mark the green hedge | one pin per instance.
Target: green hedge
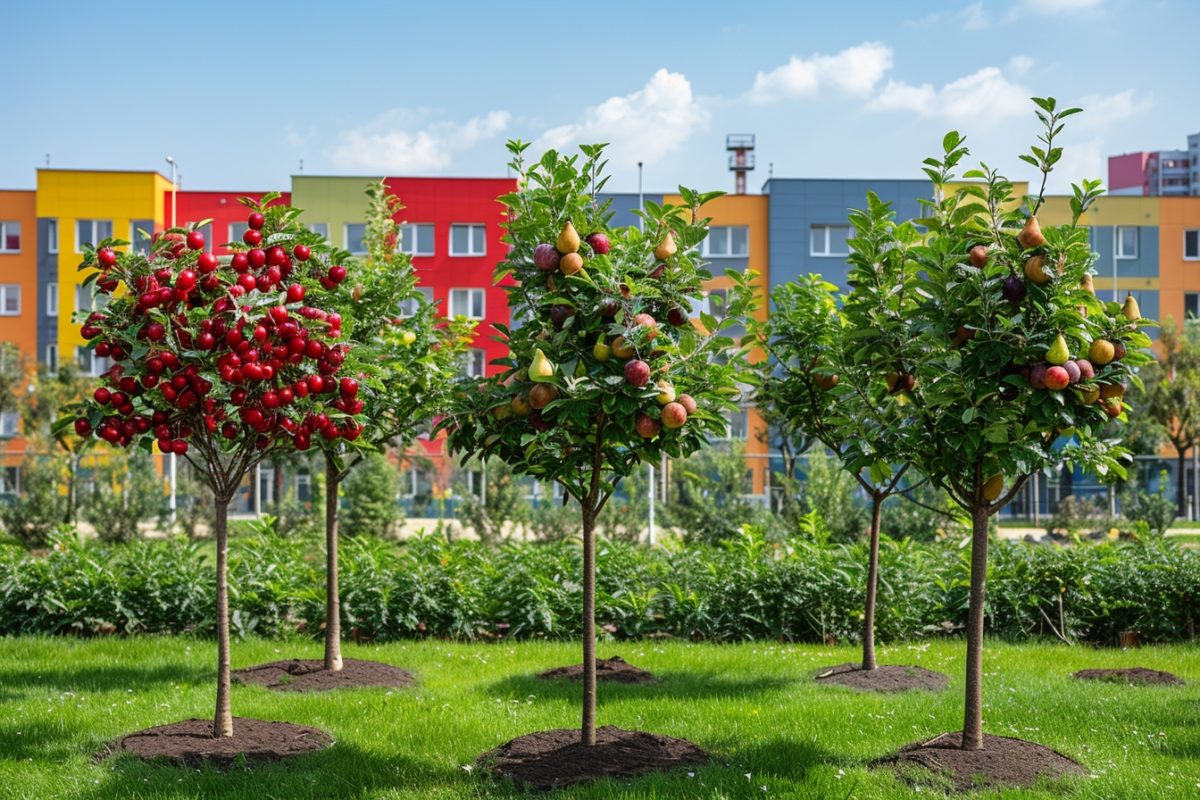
(747, 589)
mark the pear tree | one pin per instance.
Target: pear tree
(1022, 364)
(606, 369)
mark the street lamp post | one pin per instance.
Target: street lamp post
(172, 504)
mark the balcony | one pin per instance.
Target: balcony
(739, 141)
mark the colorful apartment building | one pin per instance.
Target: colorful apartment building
(228, 215)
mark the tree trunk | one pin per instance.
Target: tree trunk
(333, 610)
(223, 720)
(277, 484)
(588, 734)
(972, 735)
(1181, 483)
(868, 656)
(72, 470)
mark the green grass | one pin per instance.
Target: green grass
(773, 732)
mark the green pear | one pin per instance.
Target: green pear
(1131, 310)
(600, 351)
(541, 369)
(1058, 354)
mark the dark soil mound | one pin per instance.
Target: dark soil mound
(190, 743)
(311, 675)
(615, 669)
(1131, 675)
(552, 759)
(888, 678)
(1001, 762)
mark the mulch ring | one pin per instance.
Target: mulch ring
(310, 675)
(615, 669)
(553, 759)
(190, 743)
(887, 678)
(1001, 762)
(1140, 676)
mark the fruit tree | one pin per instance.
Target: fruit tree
(606, 368)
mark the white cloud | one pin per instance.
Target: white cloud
(1080, 160)
(983, 96)
(973, 17)
(1018, 66)
(642, 126)
(409, 141)
(1051, 7)
(855, 71)
(1102, 110)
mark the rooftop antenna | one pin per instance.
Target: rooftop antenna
(741, 158)
(302, 166)
(47, 159)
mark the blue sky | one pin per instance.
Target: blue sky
(240, 93)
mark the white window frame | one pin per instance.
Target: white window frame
(409, 307)
(236, 229)
(320, 227)
(10, 424)
(52, 236)
(51, 359)
(1117, 254)
(470, 239)
(91, 239)
(4, 223)
(51, 299)
(404, 230)
(725, 231)
(5, 290)
(346, 237)
(827, 253)
(1195, 232)
(475, 363)
(90, 363)
(471, 291)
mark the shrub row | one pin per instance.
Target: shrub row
(744, 589)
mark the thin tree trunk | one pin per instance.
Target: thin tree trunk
(868, 656)
(588, 735)
(1181, 483)
(73, 460)
(333, 611)
(972, 735)
(223, 720)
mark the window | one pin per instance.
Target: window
(141, 230)
(52, 358)
(356, 237)
(1191, 245)
(90, 363)
(10, 300)
(91, 231)
(10, 423)
(830, 240)
(1191, 305)
(236, 231)
(727, 242)
(51, 236)
(710, 302)
(467, 240)
(475, 483)
(1125, 242)
(88, 299)
(408, 308)
(739, 424)
(10, 236)
(466, 303)
(303, 486)
(51, 299)
(475, 363)
(416, 239)
(321, 228)
(10, 480)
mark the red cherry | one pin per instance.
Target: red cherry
(348, 387)
(187, 279)
(276, 256)
(179, 447)
(195, 240)
(258, 258)
(102, 396)
(207, 341)
(82, 427)
(247, 282)
(301, 252)
(107, 257)
(279, 314)
(330, 432)
(240, 262)
(255, 220)
(337, 273)
(252, 237)
(207, 263)
(295, 293)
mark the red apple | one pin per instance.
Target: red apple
(688, 403)
(195, 240)
(598, 242)
(647, 427)
(648, 322)
(545, 257)
(637, 372)
(1057, 378)
(673, 415)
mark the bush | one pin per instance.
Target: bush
(832, 492)
(1155, 509)
(707, 501)
(42, 505)
(1075, 516)
(370, 497)
(924, 513)
(126, 490)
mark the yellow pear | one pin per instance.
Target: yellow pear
(1058, 353)
(601, 352)
(1089, 285)
(1101, 352)
(541, 369)
(993, 487)
(408, 337)
(520, 406)
(1031, 234)
(666, 247)
(1130, 309)
(1035, 269)
(568, 239)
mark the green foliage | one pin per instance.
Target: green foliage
(830, 491)
(923, 512)
(370, 498)
(194, 502)
(42, 504)
(706, 501)
(504, 502)
(744, 589)
(1154, 509)
(127, 489)
(1075, 516)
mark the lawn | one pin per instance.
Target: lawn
(773, 732)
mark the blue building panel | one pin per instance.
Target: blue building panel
(1142, 263)
(624, 207)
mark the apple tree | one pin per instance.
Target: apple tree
(606, 369)
(1022, 364)
(220, 362)
(403, 362)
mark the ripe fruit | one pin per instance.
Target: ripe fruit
(337, 273)
(302, 252)
(1086, 370)
(1101, 352)
(541, 369)
(348, 387)
(195, 240)
(673, 415)
(622, 348)
(107, 257)
(1118, 351)
(1037, 376)
(520, 406)
(295, 293)
(1088, 284)
(1112, 390)
(609, 307)
(826, 382)
(900, 381)
(82, 427)
(666, 393)
(992, 488)
(1058, 352)
(1089, 394)
(207, 263)
(647, 427)
(1031, 234)
(1111, 406)
(255, 220)
(1035, 270)
(407, 338)
(677, 316)
(570, 263)
(252, 237)
(1013, 289)
(666, 248)
(637, 373)
(545, 257)
(648, 322)
(1056, 378)
(1072, 370)
(559, 314)
(978, 256)
(688, 403)
(598, 242)
(568, 239)
(601, 352)
(1130, 309)
(541, 395)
